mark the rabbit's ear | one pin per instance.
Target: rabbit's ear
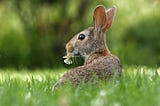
(110, 13)
(99, 18)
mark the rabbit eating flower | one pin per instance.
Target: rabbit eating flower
(91, 44)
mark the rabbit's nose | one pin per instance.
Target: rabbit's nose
(69, 47)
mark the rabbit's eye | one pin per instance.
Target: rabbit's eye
(81, 36)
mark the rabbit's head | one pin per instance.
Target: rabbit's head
(91, 40)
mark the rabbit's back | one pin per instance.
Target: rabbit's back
(109, 63)
(101, 68)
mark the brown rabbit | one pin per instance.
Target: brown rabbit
(91, 44)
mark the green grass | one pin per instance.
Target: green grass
(139, 86)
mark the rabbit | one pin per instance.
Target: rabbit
(91, 44)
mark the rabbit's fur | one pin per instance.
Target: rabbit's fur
(92, 46)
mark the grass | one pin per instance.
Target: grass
(137, 87)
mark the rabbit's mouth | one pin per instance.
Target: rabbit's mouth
(75, 53)
(69, 56)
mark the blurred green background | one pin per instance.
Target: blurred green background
(33, 33)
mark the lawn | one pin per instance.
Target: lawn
(139, 86)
